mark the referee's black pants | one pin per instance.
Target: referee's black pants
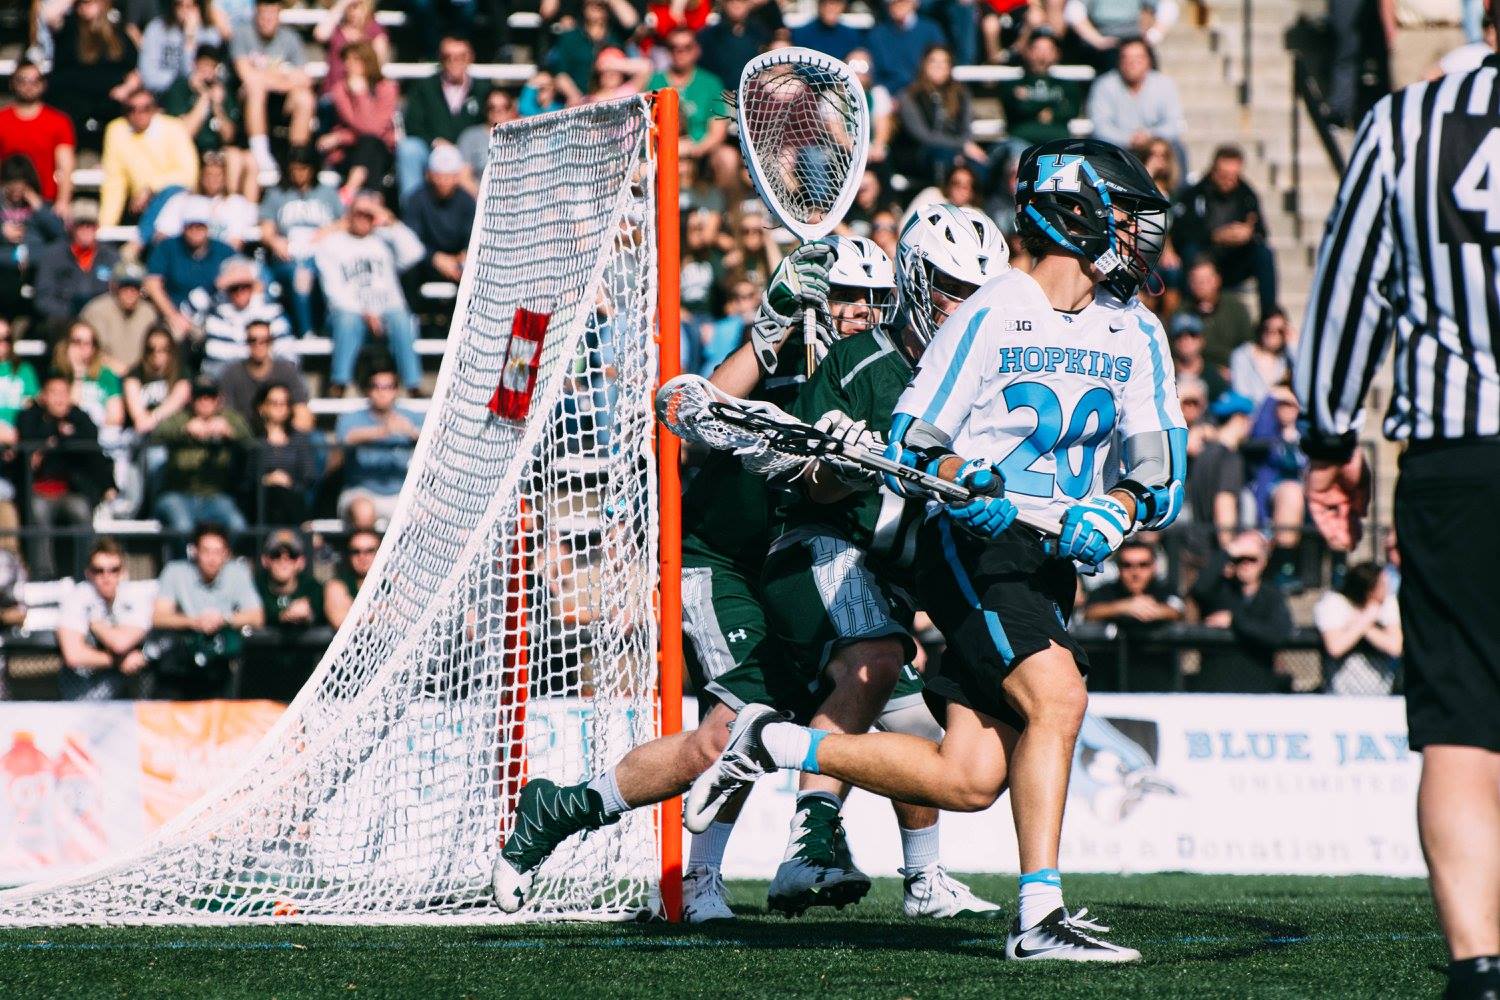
(1448, 531)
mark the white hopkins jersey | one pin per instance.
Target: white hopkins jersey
(1043, 394)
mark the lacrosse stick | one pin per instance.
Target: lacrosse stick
(693, 409)
(804, 132)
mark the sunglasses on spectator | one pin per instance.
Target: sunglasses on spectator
(1190, 401)
(239, 286)
(885, 227)
(383, 385)
(1243, 560)
(283, 552)
(257, 340)
(1137, 564)
(98, 570)
(81, 341)
(363, 551)
(682, 47)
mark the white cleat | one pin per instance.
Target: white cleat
(744, 759)
(933, 893)
(511, 887)
(704, 896)
(1060, 937)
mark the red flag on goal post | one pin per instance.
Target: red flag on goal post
(523, 353)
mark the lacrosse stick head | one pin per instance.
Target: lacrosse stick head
(804, 131)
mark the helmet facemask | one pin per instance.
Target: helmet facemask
(853, 310)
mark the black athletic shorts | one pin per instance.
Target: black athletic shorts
(996, 602)
(1448, 529)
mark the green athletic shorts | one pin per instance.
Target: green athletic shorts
(820, 596)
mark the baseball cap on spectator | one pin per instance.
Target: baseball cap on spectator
(203, 386)
(303, 156)
(85, 213)
(128, 272)
(1231, 404)
(445, 159)
(609, 58)
(284, 539)
(1186, 323)
(196, 210)
(1043, 31)
(235, 270)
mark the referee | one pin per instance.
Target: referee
(1412, 254)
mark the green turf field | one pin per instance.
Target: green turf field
(1201, 936)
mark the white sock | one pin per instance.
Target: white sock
(1041, 893)
(919, 848)
(707, 849)
(260, 145)
(609, 790)
(791, 745)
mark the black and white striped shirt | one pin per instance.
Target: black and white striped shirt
(1412, 253)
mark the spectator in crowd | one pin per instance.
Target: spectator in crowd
(95, 386)
(1417, 35)
(146, 154)
(1104, 26)
(736, 39)
(156, 387)
(667, 16)
(102, 625)
(960, 186)
(205, 457)
(68, 473)
(752, 254)
(441, 213)
(827, 33)
(293, 602)
(363, 142)
(122, 316)
(240, 302)
(572, 55)
(231, 216)
(1255, 367)
(1187, 354)
(18, 385)
(101, 628)
(540, 95)
(1136, 602)
(340, 591)
(1222, 320)
(208, 109)
(242, 381)
(170, 44)
(937, 122)
(1220, 217)
(1230, 595)
(704, 116)
(293, 217)
(1038, 107)
(285, 465)
(882, 109)
(1278, 468)
(1360, 625)
(1159, 157)
(93, 64)
(721, 337)
(350, 22)
(27, 226)
(206, 600)
(438, 108)
(885, 231)
(896, 44)
(268, 60)
(474, 141)
(617, 75)
(181, 270)
(1216, 469)
(41, 133)
(869, 198)
(376, 448)
(1134, 102)
(72, 271)
(359, 267)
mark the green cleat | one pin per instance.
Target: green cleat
(818, 869)
(545, 816)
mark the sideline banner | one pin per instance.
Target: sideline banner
(1245, 784)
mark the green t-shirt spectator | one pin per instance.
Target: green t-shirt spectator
(307, 587)
(1038, 108)
(180, 98)
(701, 101)
(93, 394)
(18, 383)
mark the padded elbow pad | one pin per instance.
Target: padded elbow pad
(1155, 467)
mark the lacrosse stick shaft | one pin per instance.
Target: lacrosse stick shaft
(809, 332)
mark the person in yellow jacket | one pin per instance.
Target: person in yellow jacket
(144, 152)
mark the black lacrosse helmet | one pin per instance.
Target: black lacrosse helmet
(1068, 190)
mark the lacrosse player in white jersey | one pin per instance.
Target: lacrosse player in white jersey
(1051, 393)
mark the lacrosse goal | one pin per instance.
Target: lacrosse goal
(521, 617)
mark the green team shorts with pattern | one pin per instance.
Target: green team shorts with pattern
(821, 596)
(731, 652)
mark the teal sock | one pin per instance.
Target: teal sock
(1041, 893)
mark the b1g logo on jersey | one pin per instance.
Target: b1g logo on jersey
(1073, 361)
(1059, 172)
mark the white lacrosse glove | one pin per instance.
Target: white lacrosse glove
(1092, 530)
(851, 434)
(800, 282)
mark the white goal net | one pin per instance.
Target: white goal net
(509, 628)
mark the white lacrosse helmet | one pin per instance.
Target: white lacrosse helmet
(861, 287)
(948, 249)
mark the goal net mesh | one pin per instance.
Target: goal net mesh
(508, 629)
